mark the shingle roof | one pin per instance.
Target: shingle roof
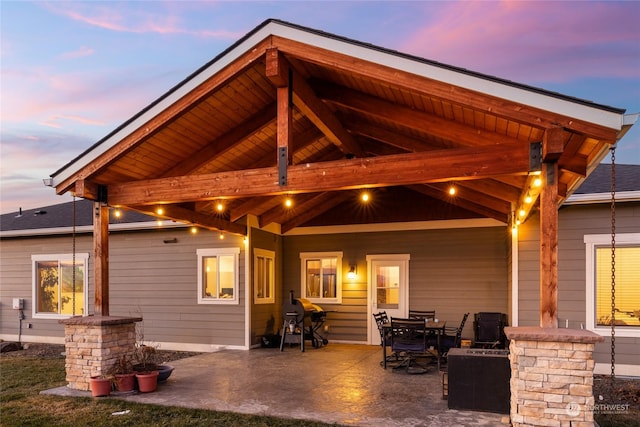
(61, 216)
(627, 179)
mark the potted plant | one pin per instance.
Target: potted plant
(124, 376)
(100, 385)
(146, 369)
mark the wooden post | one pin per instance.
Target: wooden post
(101, 258)
(549, 246)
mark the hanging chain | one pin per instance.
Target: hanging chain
(613, 263)
(73, 262)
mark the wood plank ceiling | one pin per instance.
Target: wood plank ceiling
(348, 125)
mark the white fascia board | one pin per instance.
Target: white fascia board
(586, 199)
(88, 229)
(476, 83)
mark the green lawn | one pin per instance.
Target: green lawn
(22, 379)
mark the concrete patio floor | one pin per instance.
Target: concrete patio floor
(337, 383)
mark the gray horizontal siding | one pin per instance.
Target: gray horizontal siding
(574, 223)
(147, 278)
(452, 271)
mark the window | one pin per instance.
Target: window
(264, 276)
(627, 298)
(55, 294)
(218, 276)
(321, 278)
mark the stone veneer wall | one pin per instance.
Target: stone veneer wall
(551, 376)
(94, 344)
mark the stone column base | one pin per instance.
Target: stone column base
(551, 376)
(93, 345)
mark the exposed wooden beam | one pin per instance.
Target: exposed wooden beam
(549, 247)
(553, 142)
(130, 141)
(306, 101)
(448, 130)
(101, 258)
(493, 188)
(433, 166)
(255, 206)
(181, 214)
(438, 193)
(316, 206)
(468, 194)
(500, 107)
(224, 143)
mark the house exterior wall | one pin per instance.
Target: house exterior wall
(147, 278)
(574, 222)
(266, 318)
(451, 270)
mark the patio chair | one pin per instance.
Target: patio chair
(452, 337)
(382, 320)
(408, 339)
(488, 330)
(422, 314)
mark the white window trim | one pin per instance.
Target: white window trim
(257, 252)
(84, 257)
(303, 277)
(235, 252)
(591, 241)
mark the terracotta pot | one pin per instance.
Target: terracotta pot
(125, 382)
(147, 381)
(100, 386)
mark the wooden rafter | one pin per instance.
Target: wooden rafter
(434, 166)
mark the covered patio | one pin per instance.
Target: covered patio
(290, 116)
(338, 383)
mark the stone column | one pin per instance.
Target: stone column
(93, 345)
(551, 376)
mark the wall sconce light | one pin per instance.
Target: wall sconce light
(352, 272)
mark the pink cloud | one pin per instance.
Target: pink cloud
(527, 41)
(130, 20)
(82, 52)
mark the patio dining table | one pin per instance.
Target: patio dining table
(430, 326)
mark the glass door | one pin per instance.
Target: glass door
(388, 288)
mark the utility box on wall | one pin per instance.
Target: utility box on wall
(18, 303)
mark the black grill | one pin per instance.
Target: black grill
(303, 320)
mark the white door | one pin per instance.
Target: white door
(388, 277)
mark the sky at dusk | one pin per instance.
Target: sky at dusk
(71, 72)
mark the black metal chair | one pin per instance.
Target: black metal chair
(488, 330)
(408, 339)
(422, 314)
(452, 337)
(382, 321)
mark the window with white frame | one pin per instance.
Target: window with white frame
(627, 288)
(264, 276)
(321, 278)
(218, 276)
(59, 285)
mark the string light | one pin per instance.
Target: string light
(117, 213)
(221, 236)
(288, 202)
(219, 207)
(194, 229)
(452, 190)
(365, 197)
(160, 211)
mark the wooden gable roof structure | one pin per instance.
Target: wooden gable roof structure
(291, 111)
